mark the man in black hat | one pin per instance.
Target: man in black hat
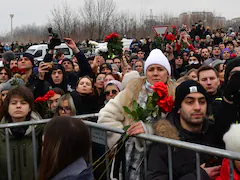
(188, 117)
(26, 63)
(105, 68)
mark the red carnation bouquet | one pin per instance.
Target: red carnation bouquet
(114, 44)
(158, 102)
(46, 97)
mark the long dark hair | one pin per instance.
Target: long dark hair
(20, 91)
(66, 139)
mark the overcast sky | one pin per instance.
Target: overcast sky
(38, 11)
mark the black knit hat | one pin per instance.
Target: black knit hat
(185, 88)
(29, 56)
(230, 65)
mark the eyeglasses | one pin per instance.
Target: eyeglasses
(65, 109)
(112, 91)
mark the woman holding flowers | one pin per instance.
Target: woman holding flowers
(140, 93)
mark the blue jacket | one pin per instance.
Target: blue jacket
(78, 170)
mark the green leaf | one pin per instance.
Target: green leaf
(135, 105)
(155, 96)
(127, 110)
(126, 128)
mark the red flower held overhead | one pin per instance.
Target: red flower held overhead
(111, 37)
(170, 37)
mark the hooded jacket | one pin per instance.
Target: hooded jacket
(184, 161)
(78, 170)
(21, 150)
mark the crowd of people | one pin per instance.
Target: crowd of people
(201, 69)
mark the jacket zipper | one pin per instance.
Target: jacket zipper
(14, 159)
(19, 161)
(24, 156)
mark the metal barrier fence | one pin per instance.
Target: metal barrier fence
(99, 135)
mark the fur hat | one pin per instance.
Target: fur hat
(232, 138)
(157, 57)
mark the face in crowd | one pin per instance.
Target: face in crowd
(24, 63)
(68, 66)
(209, 80)
(13, 64)
(108, 78)
(226, 55)
(140, 55)
(193, 75)
(156, 73)
(117, 61)
(84, 86)
(65, 109)
(111, 91)
(57, 76)
(52, 102)
(178, 61)
(3, 76)
(139, 66)
(100, 81)
(193, 111)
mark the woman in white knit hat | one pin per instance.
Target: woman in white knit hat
(156, 69)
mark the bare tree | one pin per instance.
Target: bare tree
(98, 15)
(63, 19)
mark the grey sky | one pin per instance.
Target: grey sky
(37, 11)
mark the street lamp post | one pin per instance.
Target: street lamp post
(11, 16)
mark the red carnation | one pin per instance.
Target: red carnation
(233, 55)
(166, 104)
(161, 89)
(14, 70)
(22, 71)
(38, 100)
(174, 27)
(170, 37)
(49, 94)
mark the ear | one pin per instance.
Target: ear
(178, 111)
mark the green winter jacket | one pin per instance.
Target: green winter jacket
(21, 152)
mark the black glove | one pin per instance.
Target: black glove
(232, 89)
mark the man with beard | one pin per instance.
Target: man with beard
(188, 117)
(205, 54)
(215, 55)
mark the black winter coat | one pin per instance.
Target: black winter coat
(184, 161)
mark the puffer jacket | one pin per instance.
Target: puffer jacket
(21, 151)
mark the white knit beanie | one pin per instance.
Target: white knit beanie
(157, 57)
(232, 138)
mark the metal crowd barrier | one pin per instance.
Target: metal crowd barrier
(99, 135)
